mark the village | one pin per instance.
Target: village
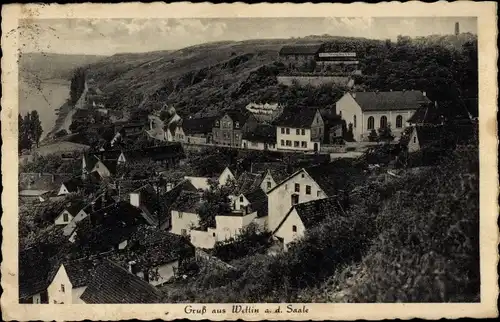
(154, 198)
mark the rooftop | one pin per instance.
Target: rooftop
(188, 202)
(113, 284)
(393, 100)
(301, 49)
(296, 118)
(262, 133)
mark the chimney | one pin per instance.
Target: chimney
(131, 266)
(135, 199)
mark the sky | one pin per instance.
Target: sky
(111, 36)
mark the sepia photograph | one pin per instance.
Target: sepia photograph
(248, 160)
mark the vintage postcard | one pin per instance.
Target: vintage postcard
(253, 162)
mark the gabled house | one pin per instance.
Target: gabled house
(169, 198)
(113, 284)
(263, 137)
(230, 126)
(308, 184)
(108, 228)
(69, 281)
(227, 175)
(367, 111)
(100, 201)
(294, 56)
(200, 183)
(154, 255)
(304, 216)
(198, 130)
(300, 130)
(185, 211)
(69, 212)
(70, 186)
(105, 168)
(273, 173)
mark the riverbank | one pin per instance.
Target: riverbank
(47, 97)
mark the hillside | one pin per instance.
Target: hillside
(215, 76)
(45, 66)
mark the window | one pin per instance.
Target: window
(180, 214)
(62, 288)
(303, 144)
(303, 175)
(217, 123)
(354, 120)
(213, 234)
(318, 194)
(237, 125)
(241, 199)
(414, 139)
(269, 185)
(303, 132)
(296, 144)
(340, 113)
(287, 131)
(399, 121)
(297, 131)
(383, 122)
(65, 217)
(295, 199)
(282, 130)
(282, 142)
(297, 187)
(294, 228)
(371, 123)
(288, 143)
(308, 190)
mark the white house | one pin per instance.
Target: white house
(300, 130)
(70, 186)
(69, 213)
(199, 182)
(226, 176)
(367, 111)
(104, 168)
(310, 184)
(184, 213)
(69, 282)
(304, 216)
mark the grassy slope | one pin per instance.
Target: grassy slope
(192, 79)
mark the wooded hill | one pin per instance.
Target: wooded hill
(214, 76)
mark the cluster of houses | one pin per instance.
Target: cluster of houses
(300, 129)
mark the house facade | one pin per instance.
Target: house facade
(61, 290)
(226, 176)
(367, 111)
(294, 56)
(263, 137)
(184, 213)
(299, 187)
(229, 128)
(301, 130)
(304, 216)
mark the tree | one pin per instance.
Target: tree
(35, 127)
(216, 202)
(385, 133)
(24, 139)
(373, 137)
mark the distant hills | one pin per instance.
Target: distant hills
(45, 66)
(213, 76)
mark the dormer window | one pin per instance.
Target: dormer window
(217, 123)
(237, 125)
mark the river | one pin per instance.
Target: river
(45, 97)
